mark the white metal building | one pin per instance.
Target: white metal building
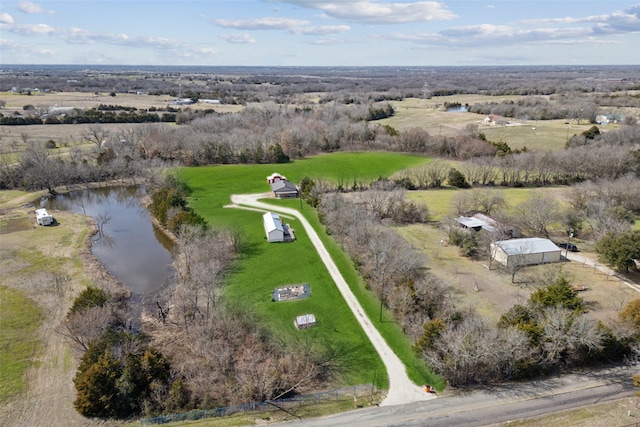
(43, 217)
(521, 252)
(273, 227)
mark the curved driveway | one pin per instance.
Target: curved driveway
(401, 389)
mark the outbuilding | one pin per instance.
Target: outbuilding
(43, 217)
(305, 321)
(522, 252)
(284, 189)
(273, 227)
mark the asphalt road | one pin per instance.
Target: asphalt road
(492, 405)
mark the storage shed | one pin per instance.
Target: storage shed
(43, 217)
(305, 321)
(273, 227)
(521, 252)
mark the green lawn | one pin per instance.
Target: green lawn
(19, 320)
(265, 266)
(439, 201)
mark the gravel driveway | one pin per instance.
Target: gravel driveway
(401, 389)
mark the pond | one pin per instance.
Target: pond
(459, 109)
(130, 248)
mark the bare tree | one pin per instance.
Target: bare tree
(96, 134)
(567, 336)
(102, 219)
(537, 213)
(88, 325)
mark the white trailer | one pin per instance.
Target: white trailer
(43, 217)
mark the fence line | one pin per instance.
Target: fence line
(284, 404)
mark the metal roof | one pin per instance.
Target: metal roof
(272, 222)
(471, 222)
(532, 245)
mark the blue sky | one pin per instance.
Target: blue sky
(319, 33)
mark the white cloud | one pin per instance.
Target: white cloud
(373, 12)
(262, 23)
(558, 31)
(622, 21)
(24, 50)
(5, 18)
(80, 36)
(321, 30)
(240, 38)
(32, 8)
(293, 26)
(35, 29)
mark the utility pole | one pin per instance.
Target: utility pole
(566, 250)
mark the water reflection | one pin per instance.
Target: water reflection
(130, 248)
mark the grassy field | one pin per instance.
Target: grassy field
(538, 135)
(20, 318)
(85, 100)
(266, 266)
(42, 271)
(440, 201)
(430, 115)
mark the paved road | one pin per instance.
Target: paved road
(401, 388)
(493, 405)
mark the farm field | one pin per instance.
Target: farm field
(85, 100)
(430, 115)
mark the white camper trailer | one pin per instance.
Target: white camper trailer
(43, 217)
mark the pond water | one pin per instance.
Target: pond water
(460, 109)
(131, 248)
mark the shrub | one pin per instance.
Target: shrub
(457, 179)
(558, 294)
(90, 297)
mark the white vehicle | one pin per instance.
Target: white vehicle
(43, 217)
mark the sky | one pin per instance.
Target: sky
(320, 33)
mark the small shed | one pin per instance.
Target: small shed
(273, 227)
(473, 223)
(481, 221)
(43, 217)
(522, 252)
(305, 321)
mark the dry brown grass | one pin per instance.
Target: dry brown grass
(50, 265)
(496, 294)
(85, 100)
(618, 413)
